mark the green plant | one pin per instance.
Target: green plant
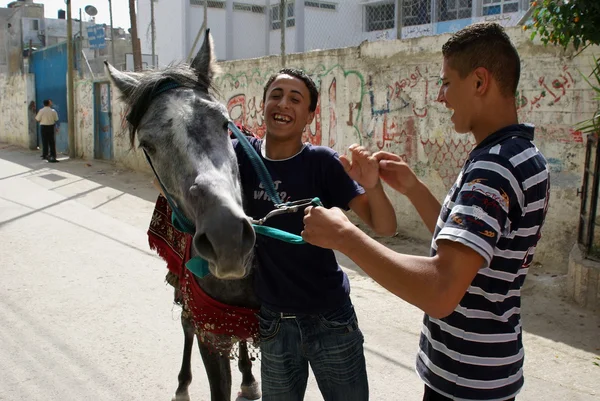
(562, 22)
(592, 124)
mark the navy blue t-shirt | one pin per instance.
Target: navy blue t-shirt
(291, 277)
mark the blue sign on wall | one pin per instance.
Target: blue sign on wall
(452, 26)
(96, 37)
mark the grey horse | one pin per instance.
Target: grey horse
(184, 132)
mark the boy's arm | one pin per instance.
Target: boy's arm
(55, 115)
(399, 176)
(38, 117)
(373, 207)
(434, 284)
(477, 218)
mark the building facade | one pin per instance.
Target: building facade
(253, 28)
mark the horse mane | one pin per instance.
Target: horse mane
(149, 86)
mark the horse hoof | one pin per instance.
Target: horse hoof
(251, 392)
(181, 397)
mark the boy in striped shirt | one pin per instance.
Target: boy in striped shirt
(484, 234)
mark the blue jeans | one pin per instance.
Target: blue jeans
(331, 343)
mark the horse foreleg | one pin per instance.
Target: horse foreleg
(218, 371)
(185, 374)
(250, 388)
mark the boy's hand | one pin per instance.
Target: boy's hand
(325, 228)
(363, 168)
(395, 172)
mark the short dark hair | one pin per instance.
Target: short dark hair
(301, 75)
(486, 45)
(47, 102)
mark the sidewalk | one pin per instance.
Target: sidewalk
(562, 341)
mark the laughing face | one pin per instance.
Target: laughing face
(459, 95)
(286, 108)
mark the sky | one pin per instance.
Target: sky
(120, 10)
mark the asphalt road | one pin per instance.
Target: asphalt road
(85, 313)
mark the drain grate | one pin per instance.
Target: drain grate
(53, 177)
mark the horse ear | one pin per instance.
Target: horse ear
(204, 63)
(125, 82)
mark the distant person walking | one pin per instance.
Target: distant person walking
(47, 117)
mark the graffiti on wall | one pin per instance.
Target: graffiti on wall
(560, 133)
(248, 109)
(350, 104)
(549, 90)
(397, 112)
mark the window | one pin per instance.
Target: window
(455, 9)
(380, 17)
(35, 24)
(320, 4)
(211, 3)
(275, 17)
(492, 7)
(417, 12)
(249, 7)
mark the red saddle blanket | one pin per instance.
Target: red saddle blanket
(207, 314)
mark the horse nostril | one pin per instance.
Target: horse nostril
(248, 236)
(204, 247)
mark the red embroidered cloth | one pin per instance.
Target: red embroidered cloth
(207, 314)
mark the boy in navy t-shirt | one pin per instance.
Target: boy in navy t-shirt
(307, 316)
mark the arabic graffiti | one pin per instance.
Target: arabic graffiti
(554, 93)
(396, 111)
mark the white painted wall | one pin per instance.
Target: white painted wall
(248, 35)
(218, 29)
(170, 34)
(178, 23)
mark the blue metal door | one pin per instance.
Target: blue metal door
(50, 68)
(103, 137)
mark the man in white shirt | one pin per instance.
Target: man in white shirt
(47, 117)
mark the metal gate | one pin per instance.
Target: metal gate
(50, 68)
(589, 199)
(103, 138)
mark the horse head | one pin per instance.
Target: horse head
(183, 130)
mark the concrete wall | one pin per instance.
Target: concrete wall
(16, 110)
(382, 95)
(170, 35)
(3, 44)
(85, 121)
(13, 43)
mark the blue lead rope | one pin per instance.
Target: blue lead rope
(259, 166)
(199, 266)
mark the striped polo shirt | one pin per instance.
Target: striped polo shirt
(496, 207)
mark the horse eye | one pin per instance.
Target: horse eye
(226, 125)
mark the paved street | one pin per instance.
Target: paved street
(86, 315)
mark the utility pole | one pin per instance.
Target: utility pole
(80, 46)
(70, 86)
(153, 30)
(112, 37)
(399, 18)
(135, 41)
(282, 25)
